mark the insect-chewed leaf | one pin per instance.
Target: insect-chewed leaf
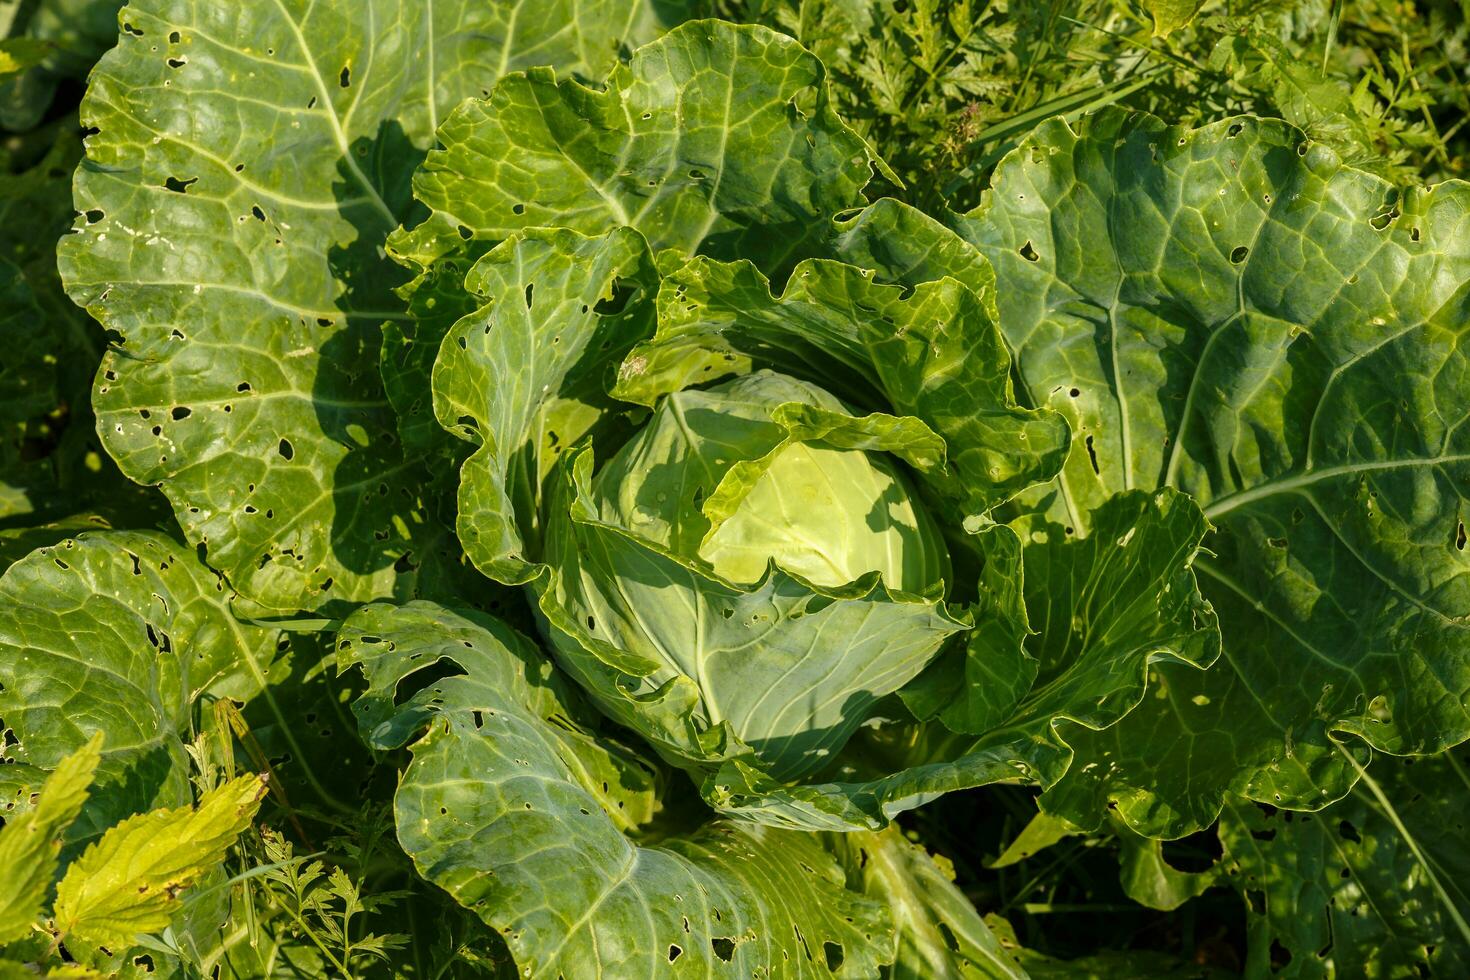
(129, 881)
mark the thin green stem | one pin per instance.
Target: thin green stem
(302, 924)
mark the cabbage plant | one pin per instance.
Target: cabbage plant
(673, 517)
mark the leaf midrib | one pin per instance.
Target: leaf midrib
(1229, 503)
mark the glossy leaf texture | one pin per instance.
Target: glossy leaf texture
(119, 633)
(249, 164)
(512, 801)
(1232, 312)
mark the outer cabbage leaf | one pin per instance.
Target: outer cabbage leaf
(1150, 880)
(119, 632)
(1374, 885)
(501, 807)
(1124, 594)
(250, 161)
(525, 376)
(715, 138)
(940, 935)
(1232, 312)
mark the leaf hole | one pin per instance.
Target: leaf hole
(286, 450)
(835, 955)
(1238, 254)
(1384, 218)
(345, 78)
(723, 947)
(420, 680)
(674, 952)
(1028, 252)
(1092, 456)
(616, 303)
(179, 186)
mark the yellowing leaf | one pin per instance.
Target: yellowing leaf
(30, 844)
(129, 881)
(1170, 15)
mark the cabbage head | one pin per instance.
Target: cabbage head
(762, 550)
